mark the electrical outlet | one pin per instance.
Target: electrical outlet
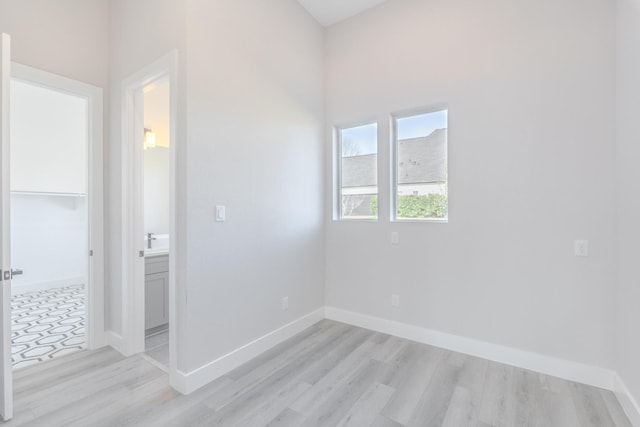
(285, 303)
(395, 238)
(395, 300)
(581, 248)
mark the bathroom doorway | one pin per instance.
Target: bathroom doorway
(149, 224)
(156, 207)
(56, 216)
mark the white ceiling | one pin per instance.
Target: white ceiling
(329, 12)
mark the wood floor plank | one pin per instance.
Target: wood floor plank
(464, 407)
(591, 408)
(460, 411)
(433, 404)
(410, 376)
(173, 411)
(615, 409)
(345, 350)
(287, 418)
(139, 399)
(317, 332)
(389, 350)
(122, 373)
(61, 370)
(355, 377)
(556, 406)
(313, 349)
(338, 404)
(526, 386)
(382, 421)
(496, 395)
(336, 375)
(259, 407)
(368, 407)
(272, 408)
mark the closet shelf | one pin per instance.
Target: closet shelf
(48, 193)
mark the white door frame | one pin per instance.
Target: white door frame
(133, 313)
(6, 373)
(95, 327)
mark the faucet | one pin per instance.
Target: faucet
(149, 239)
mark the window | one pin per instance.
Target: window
(420, 172)
(358, 172)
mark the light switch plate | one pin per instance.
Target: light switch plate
(221, 214)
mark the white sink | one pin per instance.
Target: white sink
(159, 246)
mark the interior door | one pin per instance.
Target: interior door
(6, 379)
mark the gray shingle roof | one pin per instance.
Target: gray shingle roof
(420, 160)
(423, 160)
(359, 171)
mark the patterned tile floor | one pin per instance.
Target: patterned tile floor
(47, 324)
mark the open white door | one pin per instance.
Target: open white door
(6, 377)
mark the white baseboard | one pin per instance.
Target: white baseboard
(17, 288)
(189, 382)
(628, 403)
(115, 340)
(573, 371)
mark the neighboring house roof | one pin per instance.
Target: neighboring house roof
(359, 171)
(423, 160)
(420, 160)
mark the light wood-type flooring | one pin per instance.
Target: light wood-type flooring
(329, 375)
(156, 347)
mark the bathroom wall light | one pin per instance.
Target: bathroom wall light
(149, 139)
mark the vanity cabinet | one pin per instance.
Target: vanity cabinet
(156, 291)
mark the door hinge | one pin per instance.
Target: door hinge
(141, 254)
(90, 252)
(6, 275)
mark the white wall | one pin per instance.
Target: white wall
(628, 191)
(530, 90)
(65, 37)
(49, 131)
(255, 145)
(134, 44)
(48, 241)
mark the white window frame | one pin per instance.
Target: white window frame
(337, 170)
(393, 156)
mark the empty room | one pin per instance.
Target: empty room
(320, 213)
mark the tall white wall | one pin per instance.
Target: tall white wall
(141, 32)
(65, 37)
(530, 90)
(628, 194)
(255, 145)
(48, 140)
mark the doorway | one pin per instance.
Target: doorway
(149, 239)
(156, 207)
(56, 216)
